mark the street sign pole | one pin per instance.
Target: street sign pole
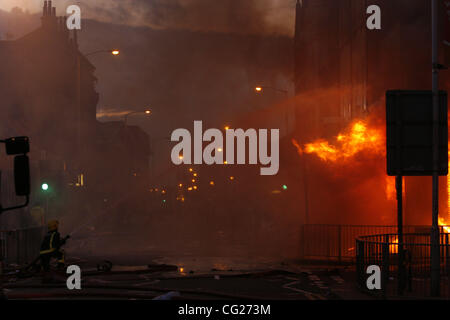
(435, 264)
(2, 295)
(401, 270)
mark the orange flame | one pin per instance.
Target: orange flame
(444, 225)
(360, 138)
(297, 146)
(348, 144)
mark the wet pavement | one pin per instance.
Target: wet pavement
(193, 278)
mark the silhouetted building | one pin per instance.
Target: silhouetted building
(47, 90)
(125, 147)
(39, 90)
(349, 67)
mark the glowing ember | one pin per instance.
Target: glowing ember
(359, 138)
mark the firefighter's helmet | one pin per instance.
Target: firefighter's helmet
(53, 225)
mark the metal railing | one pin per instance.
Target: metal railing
(20, 246)
(414, 280)
(337, 242)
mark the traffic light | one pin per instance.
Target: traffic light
(285, 187)
(50, 178)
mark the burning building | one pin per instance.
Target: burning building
(342, 71)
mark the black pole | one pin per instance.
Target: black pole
(400, 254)
(434, 238)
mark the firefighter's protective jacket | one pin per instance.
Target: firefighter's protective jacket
(51, 243)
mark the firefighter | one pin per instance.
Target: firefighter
(51, 247)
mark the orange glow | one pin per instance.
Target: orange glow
(448, 187)
(390, 188)
(297, 146)
(115, 52)
(348, 144)
(258, 89)
(211, 183)
(445, 226)
(231, 178)
(391, 192)
(393, 247)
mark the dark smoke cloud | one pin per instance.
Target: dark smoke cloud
(226, 16)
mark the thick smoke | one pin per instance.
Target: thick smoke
(227, 16)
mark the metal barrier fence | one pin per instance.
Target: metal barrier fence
(383, 251)
(20, 246)
(337, 242)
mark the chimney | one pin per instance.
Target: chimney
(54, 11)
(45, 10)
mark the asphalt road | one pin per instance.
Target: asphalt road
(192, 278)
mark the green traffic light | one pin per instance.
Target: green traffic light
(284, 187)
(44, 186)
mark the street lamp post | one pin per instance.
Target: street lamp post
(114, 52)
(125, 121)
(260, 89)
(434, 237)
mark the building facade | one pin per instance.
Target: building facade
(48, 92)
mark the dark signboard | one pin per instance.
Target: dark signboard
(409, 133)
